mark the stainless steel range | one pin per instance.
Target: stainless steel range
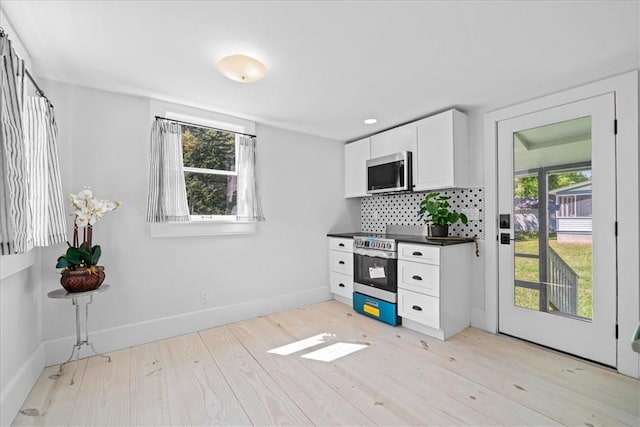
(375, 271)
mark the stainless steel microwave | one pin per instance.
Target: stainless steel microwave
(389, 173)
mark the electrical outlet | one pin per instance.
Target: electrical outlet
(204, 296)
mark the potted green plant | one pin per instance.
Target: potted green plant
(80, 269)
(434, 210)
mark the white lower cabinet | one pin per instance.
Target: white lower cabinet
(420, 308)
(341, 268)
(434, 288)
(341, 284)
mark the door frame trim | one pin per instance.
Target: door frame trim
(625, 89)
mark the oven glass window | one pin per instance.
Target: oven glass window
(388, 175)
(380, 273)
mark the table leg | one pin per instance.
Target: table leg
(86, 329)
(79, 342)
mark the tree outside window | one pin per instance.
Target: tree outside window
(210, 171)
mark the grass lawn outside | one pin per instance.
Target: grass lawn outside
(577, 256)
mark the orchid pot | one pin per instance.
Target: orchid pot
(80, 269)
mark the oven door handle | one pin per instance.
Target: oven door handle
(375, 253)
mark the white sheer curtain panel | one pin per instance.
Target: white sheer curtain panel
(15, 234)
(249, 203)
(167, 201)
(48, 224)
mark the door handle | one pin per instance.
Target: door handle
(341, 262)
(341, 285)
(505, 239)
(417, 278)
(417, 253)
(341, 245)
(417, 308)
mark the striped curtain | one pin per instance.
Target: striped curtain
(249, 201)
(48, 225)
(167, 201)
(15, 234)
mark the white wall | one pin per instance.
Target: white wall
(21, 358)
(156, 283)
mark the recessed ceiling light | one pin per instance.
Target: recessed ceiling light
(241, 68)
(370, 121)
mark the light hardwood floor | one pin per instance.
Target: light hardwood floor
(225, 376)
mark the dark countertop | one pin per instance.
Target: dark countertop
(408, 238)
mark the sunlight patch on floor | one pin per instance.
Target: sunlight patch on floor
(334, 351)
(294, 347)
(326, 354)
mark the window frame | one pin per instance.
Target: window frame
(214, 218)
(216, 225)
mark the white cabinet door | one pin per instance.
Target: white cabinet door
(420, 308)
(341, 284)
(392, 141)
(341, 262)
(441, 155)
(419, 253)
(356, 155)
(418, 277)
(341, 244)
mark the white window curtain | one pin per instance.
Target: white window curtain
(31, 203)
(249, 206)
(14, 196)
(167, 201)
(48, 224)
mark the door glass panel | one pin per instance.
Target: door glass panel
(552, 208)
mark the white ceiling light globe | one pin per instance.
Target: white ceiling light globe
(241, 68)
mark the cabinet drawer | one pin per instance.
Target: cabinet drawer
(418, 277)
(341, 284)
(376, 308)
(340, 244)
(420, 308)
(419, 253)
(341, 262)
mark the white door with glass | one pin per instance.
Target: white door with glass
(557, 225)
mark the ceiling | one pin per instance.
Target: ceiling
(331, 64)
(557, 144)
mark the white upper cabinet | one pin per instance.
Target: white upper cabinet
(439, 145)
(392, 141)
(441, 156)
(356, 155)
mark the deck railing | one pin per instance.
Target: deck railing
(562, 284)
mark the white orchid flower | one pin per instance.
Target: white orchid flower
(112, 205)
(87, 209)
(86, 194)
(82, 221)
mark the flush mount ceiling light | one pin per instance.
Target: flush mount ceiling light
(370, 121)
(241, 68)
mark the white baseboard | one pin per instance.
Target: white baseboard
(478, 319)
(19, 387)
(107, 340)
(343, 300)
(423, 329)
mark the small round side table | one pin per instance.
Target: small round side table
(88, 299)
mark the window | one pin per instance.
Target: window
(210, 172)
(573, 206)
(203, 177)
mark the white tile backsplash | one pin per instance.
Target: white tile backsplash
(402, 209)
